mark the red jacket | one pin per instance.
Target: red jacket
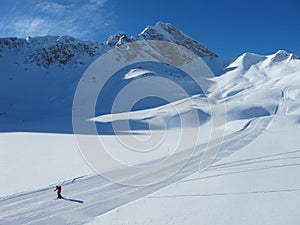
(58, 188)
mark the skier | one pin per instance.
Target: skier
(58, 189)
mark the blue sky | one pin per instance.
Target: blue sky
(228, 28)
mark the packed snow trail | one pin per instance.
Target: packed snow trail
(89, 197)
(257, 185)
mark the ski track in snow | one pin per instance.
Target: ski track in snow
(100, 195)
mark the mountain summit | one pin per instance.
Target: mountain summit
(167, 32)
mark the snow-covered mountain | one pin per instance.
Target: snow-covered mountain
(49, 51)
(252, 180)
(54, 65)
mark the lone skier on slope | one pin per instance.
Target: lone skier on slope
(58, 189)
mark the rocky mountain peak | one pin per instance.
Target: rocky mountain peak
(118, 39)
(168, 32)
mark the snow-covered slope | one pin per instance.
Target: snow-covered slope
(259, 185)
(253, 180)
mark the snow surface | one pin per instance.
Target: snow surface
(253, 180)
(258, 184)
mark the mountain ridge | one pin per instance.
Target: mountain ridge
(46, 51)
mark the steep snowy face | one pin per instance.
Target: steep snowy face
(167, 32)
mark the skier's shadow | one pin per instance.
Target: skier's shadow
(73, 200)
